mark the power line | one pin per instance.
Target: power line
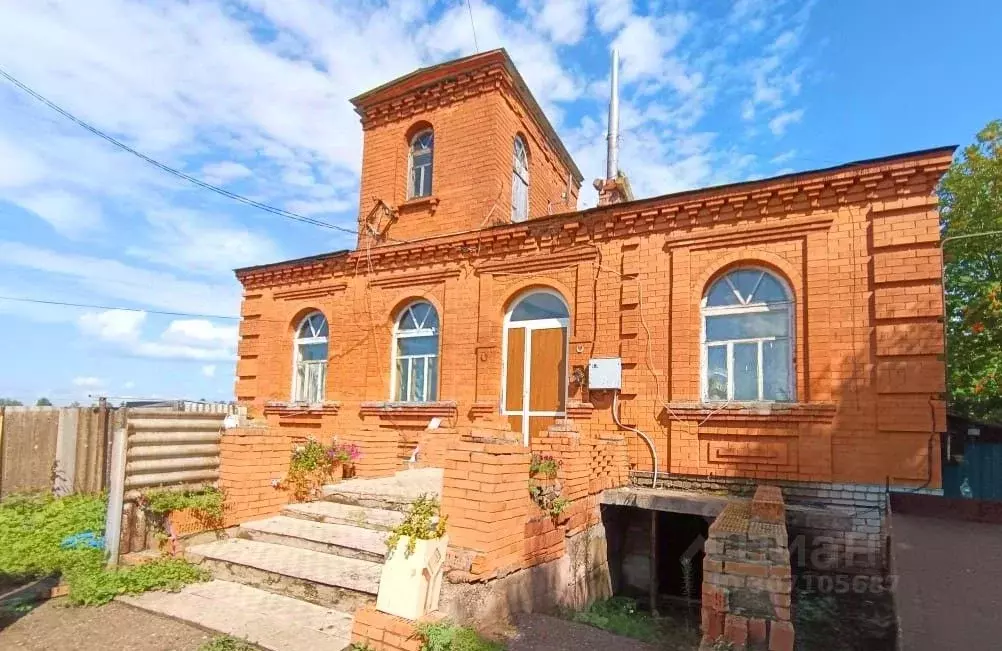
(170, 170)
(473, 25)
(115, 307)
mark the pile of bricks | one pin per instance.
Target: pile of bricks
(746, 575)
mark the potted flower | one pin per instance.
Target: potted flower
(412, 575)
(343, 457)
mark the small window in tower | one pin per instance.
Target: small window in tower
(422, 146)
(520, 182)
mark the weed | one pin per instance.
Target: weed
(358, 646)
(445, 636)
(33, 529)
(207, 501)
(619, 615)
(423, 522)
(227, 643)
(543, 465)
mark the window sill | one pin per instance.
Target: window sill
(286, 409)
(418, 203)
(438, 409)
(759, 412)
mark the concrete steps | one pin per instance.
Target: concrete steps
(317, 577)
(345, 514)
(349, 541)
(271, 621)
(393, 493)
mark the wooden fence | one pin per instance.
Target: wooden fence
(62, 449)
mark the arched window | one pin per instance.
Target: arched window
(422, 149)
(520, 182)
(310, 359)
(415, 349)
(747, 338)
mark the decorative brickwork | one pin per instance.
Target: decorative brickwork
(747, 582)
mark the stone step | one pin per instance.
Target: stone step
(323, 579)
(396, 492)
(349, 541)
(346, 514)
(268, 620)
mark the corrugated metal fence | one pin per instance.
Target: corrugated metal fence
(165, 449)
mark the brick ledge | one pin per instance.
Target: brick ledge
(287, 409)
(821, 412)
(442, 408)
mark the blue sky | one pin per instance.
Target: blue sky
(252, 96)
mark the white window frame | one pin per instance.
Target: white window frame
(412, 359)
(428, 169)
(302, 394)
(520, 181)
(786, 307)
(530, 325)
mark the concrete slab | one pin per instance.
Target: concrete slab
(311, 566)
(271, 621)
(346, 514)
(658, 499)
(343, 540)
(396, 492)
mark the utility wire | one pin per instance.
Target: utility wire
(115, 307)
(170, 170)
(476, 46)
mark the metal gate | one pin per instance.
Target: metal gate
(981, 470)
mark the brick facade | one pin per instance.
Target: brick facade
(856, 244)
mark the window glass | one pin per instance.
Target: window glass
(417, 345)
(310, 372)
(421, 159)
(540, 305)
(716, 372)
(776, 369)
(747, 326)
(746, 371)
(416, 351)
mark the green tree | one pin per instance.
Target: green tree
(43, 402)
(10, 402)
(971, 202)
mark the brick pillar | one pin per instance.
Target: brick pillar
(485, 496)
(380, 451)
(746, 575)
(250, 458)
(562, 441)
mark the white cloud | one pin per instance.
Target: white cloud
(564, 20)
(68, 214)
(223, 172)
(781, 122)
(610, 15)
(89, 382)
(784, 157)
(644, 45)
(186, 339)
(195, 242)
(209, 370)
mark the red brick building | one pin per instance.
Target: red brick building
(786, 329)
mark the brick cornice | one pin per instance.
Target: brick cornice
(395, 410)
(291, 409)
(806, 201)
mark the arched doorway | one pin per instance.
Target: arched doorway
(534, 386)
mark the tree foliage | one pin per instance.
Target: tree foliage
(971, 202)
(10, 402)
(43, 402)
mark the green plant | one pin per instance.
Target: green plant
(207, 501)
(227, 643)
(444, 636)
(358, 646)
(547, 497)
(423, 522)
(621, 616)
(543, 465)
(312, 464)
(41, 535)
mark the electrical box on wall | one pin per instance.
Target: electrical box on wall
(605, 373)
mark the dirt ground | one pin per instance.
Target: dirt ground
(53, 626)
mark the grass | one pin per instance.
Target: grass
(227, 643)
(33, 529)
(444, 636)
(834, 621)
(622, 616)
